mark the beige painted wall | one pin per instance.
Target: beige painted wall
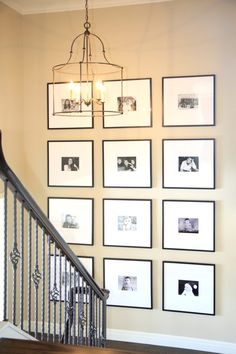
(183, 37)
(11, 82)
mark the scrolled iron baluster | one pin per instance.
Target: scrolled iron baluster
(54, 293)
(36, 276)
(22, 262)
(92, 333)
(5, 290)
(14, 257)
(43, 286)
(60, 294)
(29, 270)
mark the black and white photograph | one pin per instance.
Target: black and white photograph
(73, 219)
(188, 287)
(127, 163)
(188, 163)
(126, 104)
(135, 104)
(64, 113)
(70, 222)
(68, 105)
(127, 222)
(188, 225)
(70, 163)
(129, 282)
(188, 101)
(64, 281)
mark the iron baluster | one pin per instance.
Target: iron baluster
(60, 288)
(22, 267)
(36, 276)
(74, 304)
(43, 286)
(99, 323)
(65, 301)
(49, 287)
(86, 315)
(5, 292)
(69, 308)
(14, 257)
(29, 270)
(56, 293)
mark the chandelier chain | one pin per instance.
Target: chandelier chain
(86, 9)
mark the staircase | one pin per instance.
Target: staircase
(47, 292)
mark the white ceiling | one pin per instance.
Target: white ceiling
(42, 6)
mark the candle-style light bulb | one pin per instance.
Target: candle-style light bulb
(77, 92)
(71, 87)
(100, 88)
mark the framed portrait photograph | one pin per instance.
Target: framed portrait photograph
(127, 163)
(129, 282)
(189, 287)
(73, 219)
(188, 101)
(188, 225)
(136, 103)
(188, 163)
(66, 102)
(127, 223)
(70, 163)
(62, 272)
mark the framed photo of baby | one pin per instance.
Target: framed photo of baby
(129, 282)
(127, 223)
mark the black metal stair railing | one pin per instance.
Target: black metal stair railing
(48, 293)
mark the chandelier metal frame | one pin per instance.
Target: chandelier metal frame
(87, 95)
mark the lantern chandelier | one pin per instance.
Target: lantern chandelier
(82, 85)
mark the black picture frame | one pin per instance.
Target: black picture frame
(127, 223)
(129, 282)
(62, 154)
(188, 287)
(188, 163)
(69, 120)
(188, 101)
(73, 218)
(127, 163)
(136, 103)
(188, 225)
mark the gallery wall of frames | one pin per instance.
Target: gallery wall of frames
(187, 225)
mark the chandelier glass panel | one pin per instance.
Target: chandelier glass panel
(85, 78)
